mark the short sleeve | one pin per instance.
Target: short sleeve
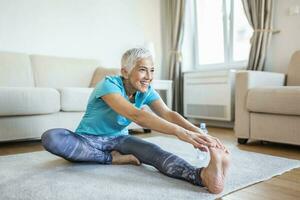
(152, 96)
(107, 86)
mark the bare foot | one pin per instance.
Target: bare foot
(119, 159)
(213, 176)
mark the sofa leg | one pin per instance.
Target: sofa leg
(146, 130)
(139, 131)
(263, 142)
(242, 140)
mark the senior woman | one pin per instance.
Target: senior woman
(102, 134)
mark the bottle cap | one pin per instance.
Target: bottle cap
(202, 125)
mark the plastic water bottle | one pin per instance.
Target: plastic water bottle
(202, 155)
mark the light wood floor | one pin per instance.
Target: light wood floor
(284, 187)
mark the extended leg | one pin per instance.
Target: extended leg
(167, 163)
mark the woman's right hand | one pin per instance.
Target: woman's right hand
(198, 140)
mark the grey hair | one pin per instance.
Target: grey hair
(131, 56)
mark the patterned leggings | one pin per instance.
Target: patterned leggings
(90, 148)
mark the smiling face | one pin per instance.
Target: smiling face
(140, 76)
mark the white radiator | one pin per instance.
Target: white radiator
(209, 95)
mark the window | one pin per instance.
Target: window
(222, 34)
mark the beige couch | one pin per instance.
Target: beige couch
(266, 108)
(42, 92)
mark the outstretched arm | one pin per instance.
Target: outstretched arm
(154, 122)
(160, 108)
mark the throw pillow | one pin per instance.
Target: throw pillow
(101, 72)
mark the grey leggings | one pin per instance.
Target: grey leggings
(90, 148)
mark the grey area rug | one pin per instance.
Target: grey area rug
(41, 175)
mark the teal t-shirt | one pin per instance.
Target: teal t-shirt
(100, 119)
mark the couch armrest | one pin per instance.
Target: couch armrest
(244, 81)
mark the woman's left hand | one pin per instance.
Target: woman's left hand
(215, 141)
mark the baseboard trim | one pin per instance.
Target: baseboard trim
(213, 123)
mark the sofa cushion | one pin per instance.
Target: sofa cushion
(74, 99)
(101, 72)
(58, 72)
(15, 70)
(278, 100)
(28, 101)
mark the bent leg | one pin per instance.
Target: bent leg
(73, 147)
(167, 163)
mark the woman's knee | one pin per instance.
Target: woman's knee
(51, 137)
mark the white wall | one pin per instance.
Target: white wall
(288, 40)
(99, 29)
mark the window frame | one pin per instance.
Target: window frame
(228, 41)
